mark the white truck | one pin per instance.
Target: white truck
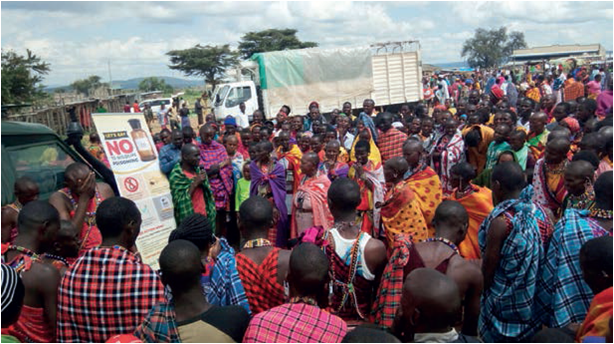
(389, 73)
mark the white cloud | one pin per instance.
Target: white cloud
(79, 38)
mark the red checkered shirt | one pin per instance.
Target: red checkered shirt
(108, 291)
(295, 323)
(390, 144)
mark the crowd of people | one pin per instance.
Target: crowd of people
(486, 217)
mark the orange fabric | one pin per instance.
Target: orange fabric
(476, 156)
(534, 94)
(317, 189)
(401, 214)
(599, 314)
(427, 187)
(32, 326)
(478, 205)
(343, 157)
(366, 195)
(556, 185)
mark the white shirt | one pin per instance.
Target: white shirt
(242, 120)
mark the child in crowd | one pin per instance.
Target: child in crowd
(242, 186)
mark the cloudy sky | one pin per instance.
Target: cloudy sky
(79, 38)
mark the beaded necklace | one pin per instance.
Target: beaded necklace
(557, 169)
(255, 243)
(24, 263)
(468, 191)
(444, 241)
(348, 287)
(582, 201)
(90, 214)
(54, 257)
(304, 299)
(598, 213)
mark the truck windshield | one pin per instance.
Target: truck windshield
(221, 95)
(44, 162)
(238, 95)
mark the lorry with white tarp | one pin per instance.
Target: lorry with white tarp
(389, 73)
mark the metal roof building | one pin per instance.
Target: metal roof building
(539, 54)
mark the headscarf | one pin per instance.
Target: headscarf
(314, 103)
(10, 283)
(496, 92)
(368, 122)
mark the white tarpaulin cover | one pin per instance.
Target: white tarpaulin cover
(330, 76)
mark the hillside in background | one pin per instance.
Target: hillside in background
(133, 84)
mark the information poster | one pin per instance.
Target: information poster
(134, 160)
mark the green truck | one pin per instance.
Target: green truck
(38, 152)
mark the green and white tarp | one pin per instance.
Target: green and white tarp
(330, 76)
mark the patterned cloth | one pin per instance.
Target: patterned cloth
(225, 287)
(494, 149)
(478, 205)
(274, 182)
(107, 292)
(293, 158)
(316, 188)
(295, 323)
(98, 153)
(169, 156)
(597, 320)
(401, 214)
(260, 282)
(452, 153)
(374, 153)
(159, 326)
(573, 91)
(368, 198)
(561, 288)
(390, 144)
(338, 170)
(425, 184)
(182, 200)
(549, 187)
(388, 297)
(211, 154)
(508, 307)
(537, 143)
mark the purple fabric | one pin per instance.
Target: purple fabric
(277, 181)
(604, 102)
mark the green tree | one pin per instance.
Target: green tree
(22, 77)
(207, 61)
(153, 83)
(86, 86)
(271, 40)
(491, 48)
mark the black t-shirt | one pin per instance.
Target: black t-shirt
(232, 320)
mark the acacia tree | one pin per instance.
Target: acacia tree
(22, 77)
(208, 61)
(491, 48)
(85, 86)
(271, 40)
(153, 83)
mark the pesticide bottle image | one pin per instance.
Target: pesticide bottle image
(141, 141)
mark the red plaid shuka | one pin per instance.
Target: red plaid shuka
(221, 185)
(388, 297)
(260, 282)
(390, 144)
(108, 291)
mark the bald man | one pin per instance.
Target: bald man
(430, 306)
(400, 211)
(26, 190)
(309, 205)
(549, 178)
(78, 201)
(538, 134)
(579, 179)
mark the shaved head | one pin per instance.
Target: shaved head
(559, 133)
(580, 168)
(333, 144)
(308, 273)
(397, 164)
(312, 157)
(433, 296)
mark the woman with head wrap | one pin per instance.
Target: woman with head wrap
(576, 134)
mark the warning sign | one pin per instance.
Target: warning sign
(131, 184)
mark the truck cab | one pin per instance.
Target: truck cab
(227, 98)
(36, 151)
